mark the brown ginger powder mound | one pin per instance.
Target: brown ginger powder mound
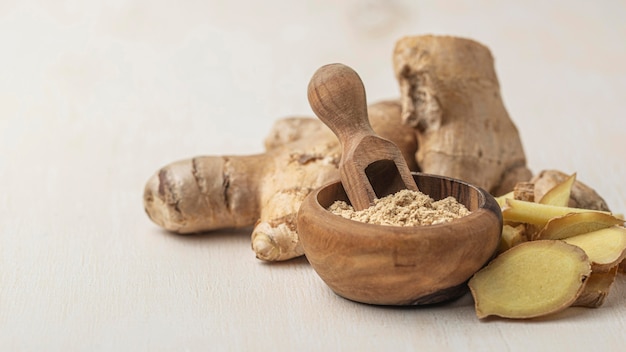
(404, 208)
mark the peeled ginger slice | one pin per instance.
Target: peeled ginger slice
(559, 195)
(530, 280)
(605, 248)
(574, 224)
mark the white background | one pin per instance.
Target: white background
(95, 96)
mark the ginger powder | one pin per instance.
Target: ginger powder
(404, 208)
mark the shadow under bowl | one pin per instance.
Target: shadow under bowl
(394, 265)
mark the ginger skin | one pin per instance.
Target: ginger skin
(216, 192)
(450, 94)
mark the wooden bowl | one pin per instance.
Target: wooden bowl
(394, 265)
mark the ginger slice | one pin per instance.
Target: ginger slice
(574, 224)
(559, 195)
(535, 213)
(596, 289)
(605, 248)
(530, 280)
(581, 196)
(512, 236)
(502, 199)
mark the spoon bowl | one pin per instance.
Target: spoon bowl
(394, 265)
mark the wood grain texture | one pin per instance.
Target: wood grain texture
(94, 97)
(396, 265)
(371, 167)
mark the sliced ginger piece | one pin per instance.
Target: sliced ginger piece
(530, 280)
(581, 196)
(605, 248)
(596, 289)
(512, 236)
(535, 213)
(559, 195)
(502, 199)
(574, 224)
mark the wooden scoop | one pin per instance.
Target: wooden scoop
(371, 167)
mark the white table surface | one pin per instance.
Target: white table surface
(97, 95)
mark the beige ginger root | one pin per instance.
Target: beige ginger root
(451, 96)
(265, 190)
(450, 100)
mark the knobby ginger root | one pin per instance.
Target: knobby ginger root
(451, 96)
(530, 280)
(265, 190)
(452, 111)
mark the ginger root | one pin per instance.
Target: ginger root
(453, 123)
(451, 96)
(265, 190)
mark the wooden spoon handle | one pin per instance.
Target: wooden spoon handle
(370, 166)
(337, 96)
